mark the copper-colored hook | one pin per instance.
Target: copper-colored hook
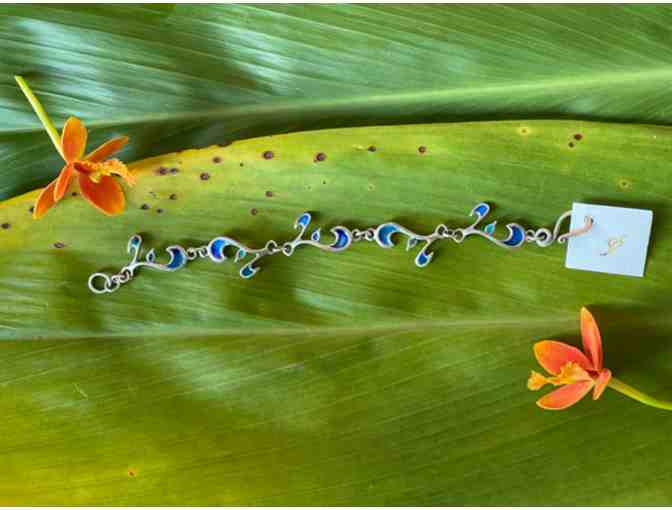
(582, 230)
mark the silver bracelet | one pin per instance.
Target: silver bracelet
(216, 249)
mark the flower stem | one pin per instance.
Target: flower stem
(635, 394)
(41, 113)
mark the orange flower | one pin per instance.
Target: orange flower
(93, 171)
(575, 371)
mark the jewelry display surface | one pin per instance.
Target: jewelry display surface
(359, 341)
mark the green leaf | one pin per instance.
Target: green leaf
(176, 77)
(351, 378)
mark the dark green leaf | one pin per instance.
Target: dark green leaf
(183, 76)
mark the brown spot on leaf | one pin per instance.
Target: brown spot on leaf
(74, 193)
(320, 156)
(173, 196)
(31, 209)
(578, 136)
(159, 210)
(571, 145)
(216, 159)
(372, 148)
(253, 212)
(59, 245)
(269, 194)
(163, 170)
(5, 226)
(173, 170)
(131, 473)
(144, 207)
(268, 155)
(205, 176)
(422, 149)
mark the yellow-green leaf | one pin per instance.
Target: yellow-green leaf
(351, 378)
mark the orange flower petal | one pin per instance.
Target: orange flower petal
(107, 149)
(601, 383)
(63, 181)
(592, 341)
(553, 355)
(105, 195)
(566, 396)
(73, 139)
(45, 200)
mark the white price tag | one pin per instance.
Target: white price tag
(616, 243)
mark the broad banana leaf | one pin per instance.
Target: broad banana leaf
(349, 378)
(178, 77)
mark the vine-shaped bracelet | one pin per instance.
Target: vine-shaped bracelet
(343, 237)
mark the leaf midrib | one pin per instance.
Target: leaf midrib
(323, 331)
(400, 99)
